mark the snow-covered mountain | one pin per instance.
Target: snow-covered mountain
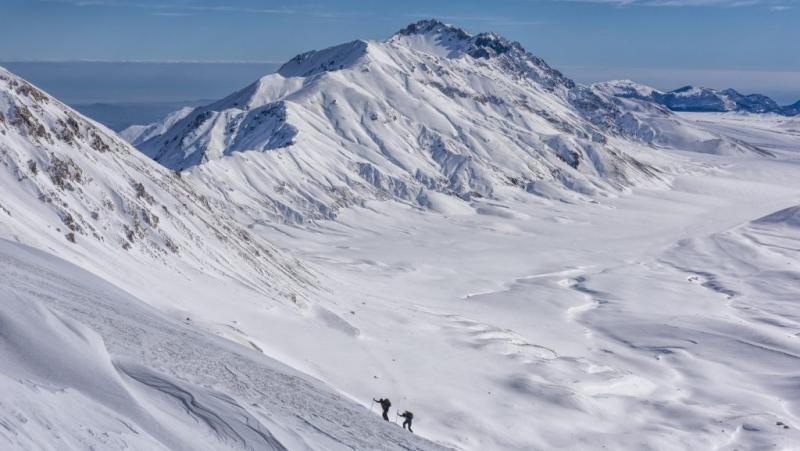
(137, 134)
(657, 125)
(700, 99)
(793, 109)
(431, 111)
(691, 98)
(75, 188)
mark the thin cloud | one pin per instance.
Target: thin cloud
(236, 9)
(186, 8)
(771, 4)
(135, 61)
(169, 14)
(496, 21)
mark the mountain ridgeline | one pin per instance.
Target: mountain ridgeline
(429, 115)
(77, 189)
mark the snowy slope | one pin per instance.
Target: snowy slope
(774, 133)
(76, 189)
(136, 134)
(84, 365)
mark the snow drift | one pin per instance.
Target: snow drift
(84, 365)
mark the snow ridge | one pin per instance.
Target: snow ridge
(316, 62)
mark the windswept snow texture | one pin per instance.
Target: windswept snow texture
(84, 365)
(137, 134)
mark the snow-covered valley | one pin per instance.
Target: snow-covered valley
(660, 320)
(581, 272)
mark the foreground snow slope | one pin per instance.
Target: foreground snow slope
(432, 110)
(84, 365)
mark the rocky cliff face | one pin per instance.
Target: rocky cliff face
(74, 187)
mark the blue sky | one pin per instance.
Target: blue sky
(748, 44)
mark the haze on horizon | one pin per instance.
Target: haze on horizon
(748, 45)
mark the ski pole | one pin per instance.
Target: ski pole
(372, 405)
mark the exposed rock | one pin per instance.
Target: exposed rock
(64, 172)
(70, 222)
(171, 245)
(69, 130)
(141, 193)
(28, 90)
(98, 144)
(23, 118)
(149, 218)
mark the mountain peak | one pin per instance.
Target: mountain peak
(457, 41)
(487, 45)
(689, 89)
(432, 26)
(625, 88)
(437, 38)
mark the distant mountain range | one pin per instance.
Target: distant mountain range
(699, 99)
